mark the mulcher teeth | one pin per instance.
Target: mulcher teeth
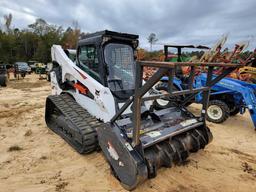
(176, 150)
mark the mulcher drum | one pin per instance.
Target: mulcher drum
(73, 123)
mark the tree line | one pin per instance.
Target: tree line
(35, 41)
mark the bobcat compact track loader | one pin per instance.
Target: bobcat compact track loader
(101, 101)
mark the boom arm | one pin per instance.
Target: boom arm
(102, 106)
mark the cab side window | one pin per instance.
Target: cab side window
(88, 60)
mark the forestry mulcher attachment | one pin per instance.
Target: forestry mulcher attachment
(101, 101)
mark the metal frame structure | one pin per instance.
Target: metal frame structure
(242, 93)
(179, 47)
(169, 69)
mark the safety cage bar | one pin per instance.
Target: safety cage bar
(168, 68)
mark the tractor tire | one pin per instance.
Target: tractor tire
(3, 80)
(23, 75)
(165, 103)
(234, 111)
(217, 111)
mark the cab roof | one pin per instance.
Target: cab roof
(110, 33)
(98, 37)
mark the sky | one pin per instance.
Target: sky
(173, 21)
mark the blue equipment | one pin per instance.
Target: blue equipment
(228, 97)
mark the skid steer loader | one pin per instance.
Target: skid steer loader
(101, 101)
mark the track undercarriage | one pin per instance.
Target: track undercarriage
(74, 124)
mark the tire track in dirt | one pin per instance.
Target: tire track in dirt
(14, 112)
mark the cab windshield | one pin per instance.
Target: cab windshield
(121, 66)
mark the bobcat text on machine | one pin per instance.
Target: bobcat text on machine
(100, 100)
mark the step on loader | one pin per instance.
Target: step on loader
(100, 101)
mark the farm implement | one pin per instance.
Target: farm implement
(227, 98)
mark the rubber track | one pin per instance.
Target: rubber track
(82, 123)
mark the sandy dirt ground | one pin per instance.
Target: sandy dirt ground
(33, 158)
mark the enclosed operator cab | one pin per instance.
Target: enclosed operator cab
(108, 57)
